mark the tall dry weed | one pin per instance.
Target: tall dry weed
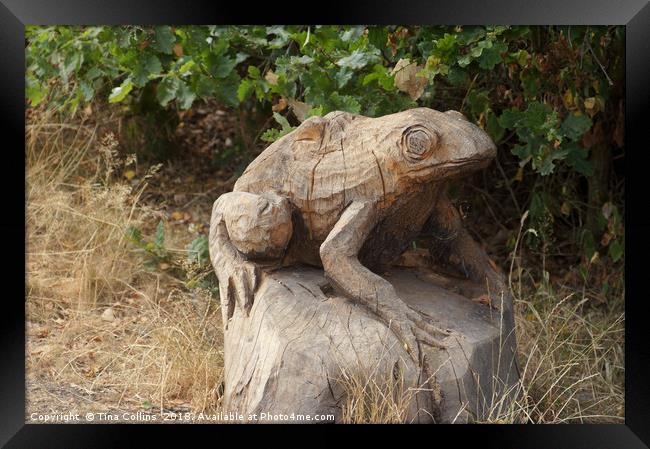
(101, 329)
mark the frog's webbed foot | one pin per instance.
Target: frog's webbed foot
(412, 328)
(238, 277)
(238, 282)
(427, 331)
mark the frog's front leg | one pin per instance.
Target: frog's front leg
(246, 227)
(339, 255)
(452, 245)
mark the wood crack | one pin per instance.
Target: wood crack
(381, 176)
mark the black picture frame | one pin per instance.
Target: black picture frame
(634, 14)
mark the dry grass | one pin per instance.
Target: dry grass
(103, 332)
(373, 396)
(571, 359)
(106, 335)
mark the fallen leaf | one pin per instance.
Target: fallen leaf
(568, 99)
(108, 315)
(281, 105)
(483, 299)
(407, 78)
(129, 174)
(177, 216)
(607, 237)
(590, 102)
(520, 174)
(591, 106)
(46, 348)
(271, 78)
(42, 332)
(594, 258)
(608, 210)
(300, 109)
(178, 50)
(565, 208)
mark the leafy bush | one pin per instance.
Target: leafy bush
(551, 95)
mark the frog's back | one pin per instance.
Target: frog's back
(320, 179)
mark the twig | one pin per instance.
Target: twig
(462, 105)
(507, 181)
(591, 50)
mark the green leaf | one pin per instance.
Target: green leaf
(302, 60)
(185, 96)
(198, 250)
(577, 158)
(86, 90)
(226, 90)
(616, 250)
(119, 93)
(478, 102)
(134, 235)
(272, 134)
(159, 239)
(352, 34)
(35, 92)
(343, 103)
(377, 36)
(546, 165)
(588, 244)
(510, 118)
(167, 90)
(357, 60)
(282, 121)
(464, 60)
(254, 72)
(530, 80)
(457, 76)
(245, 89)
(282, 36)
(93, 72)
(186, 66)
(574, 126)
(148, 66)
(220, 66)
(492, 56)
(381, 76)
(522, 151)
(342, 77)
(494, 129)
(164, 39)
(446, 46)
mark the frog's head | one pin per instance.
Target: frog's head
(433, 145)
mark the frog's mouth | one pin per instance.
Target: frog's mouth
(468, 163)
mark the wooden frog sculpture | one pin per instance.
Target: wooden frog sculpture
(350, 193)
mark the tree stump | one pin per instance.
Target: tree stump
(302, 345)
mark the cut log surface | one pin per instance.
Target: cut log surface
(287, 357)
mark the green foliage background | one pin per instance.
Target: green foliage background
(550, 97)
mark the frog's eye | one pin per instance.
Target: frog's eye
(419, 142)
